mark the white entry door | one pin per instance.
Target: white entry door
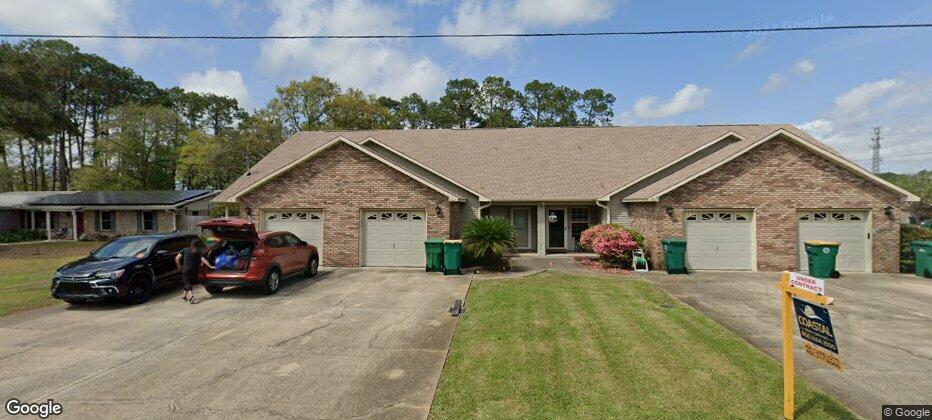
(850, 228)
(305, 224)
(719, 240)
(394, 238)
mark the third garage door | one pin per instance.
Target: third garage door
(393, 238)
(719, 240)
(850, 228)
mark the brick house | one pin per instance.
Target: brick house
(744, 196)
(102, 214)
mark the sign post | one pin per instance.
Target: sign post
(792, 286)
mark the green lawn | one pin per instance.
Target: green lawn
(558, 345)
(27, 272)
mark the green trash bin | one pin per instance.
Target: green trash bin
(922, 250)
(453, 256)
(674, 255)
(821, 256)
(434, 249)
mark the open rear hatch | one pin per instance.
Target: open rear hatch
(231, 228)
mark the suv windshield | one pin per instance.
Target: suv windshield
(125, 247)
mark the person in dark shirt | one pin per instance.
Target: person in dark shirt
(189, 260)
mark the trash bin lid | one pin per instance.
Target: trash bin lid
(923, 243)
(821, 243)
(434, 241)
(674, 240)
(453, 241)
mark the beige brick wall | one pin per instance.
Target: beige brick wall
(775, 180)
(342, 182)
(126, 223)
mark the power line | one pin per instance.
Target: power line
(899, 156)
(491, 35)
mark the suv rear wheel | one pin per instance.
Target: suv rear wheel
(272, 280)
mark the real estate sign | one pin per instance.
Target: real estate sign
(815, 325)
(812, 284)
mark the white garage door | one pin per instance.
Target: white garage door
(850, 228)
(718, 240)
(305, 224)
(394, 238)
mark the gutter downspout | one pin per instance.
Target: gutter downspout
(482, 207)
(608, 211)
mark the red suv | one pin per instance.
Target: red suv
(254, 259)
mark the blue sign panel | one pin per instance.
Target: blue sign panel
(815, 325)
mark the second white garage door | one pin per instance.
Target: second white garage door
(393, 238)
(850, 228)
(719, 240)
(305, 224)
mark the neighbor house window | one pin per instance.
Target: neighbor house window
(105, 220)
(148, 220)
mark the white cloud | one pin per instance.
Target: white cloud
(62, 16)
(804, 67)
(219, 82)
(751, 50)
(774, 81)
(689, 98)
(501, 16)
(562, 12)
(231, 10)
(385, 67)
(899, 105)
(474, 18)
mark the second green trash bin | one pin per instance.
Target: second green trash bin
(674, 255)
(453, 256)
(434, 250)
(922, 250)
(821, 256)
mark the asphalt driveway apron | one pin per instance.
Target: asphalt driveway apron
(883, 324)
(351, 343)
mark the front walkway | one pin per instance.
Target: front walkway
(883, 324)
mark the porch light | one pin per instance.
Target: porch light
(552, 217)
(439, 211)
(888, 210)
(248, 211)
(669, 211)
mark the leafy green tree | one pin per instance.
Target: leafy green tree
(302, 105)
(595, 106)
(497, 103)
(413, 112)
(458, 104)
(354, 110)
(544, 104)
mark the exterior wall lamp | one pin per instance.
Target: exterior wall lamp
(669, 211)
(888, 210)
(439, 211)
(552, 218)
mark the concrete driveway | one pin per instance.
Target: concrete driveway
(883, 325)
(350, 343)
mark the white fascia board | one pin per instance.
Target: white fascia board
(331, 143)
(608, 196)
(425, 167)
(831, 156)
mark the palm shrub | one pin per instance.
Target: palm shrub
(487, 239)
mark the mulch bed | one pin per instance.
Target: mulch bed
(595, 264)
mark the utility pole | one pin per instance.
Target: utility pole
(875, 151)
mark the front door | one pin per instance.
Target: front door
(556, 222)
(521, 221)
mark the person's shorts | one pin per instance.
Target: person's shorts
(190, 279)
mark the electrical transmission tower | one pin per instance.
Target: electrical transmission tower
(875, 151)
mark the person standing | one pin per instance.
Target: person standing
(189, 261)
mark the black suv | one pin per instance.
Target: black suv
(126, 268)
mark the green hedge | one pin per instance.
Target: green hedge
(22, 235)
(908, 234)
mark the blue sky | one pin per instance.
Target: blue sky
(836, 85)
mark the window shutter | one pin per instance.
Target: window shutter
(97, 221)
(155, 221)
(139, 221)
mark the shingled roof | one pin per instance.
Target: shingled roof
(537, 164)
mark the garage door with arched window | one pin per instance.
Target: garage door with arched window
(307, 225)
(719, 240)
(849, 228)
(394, 238)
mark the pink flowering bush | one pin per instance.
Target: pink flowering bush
(612, 242)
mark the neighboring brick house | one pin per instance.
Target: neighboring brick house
(744, 196)
(102, 214)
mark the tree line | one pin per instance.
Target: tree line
(71, 120)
